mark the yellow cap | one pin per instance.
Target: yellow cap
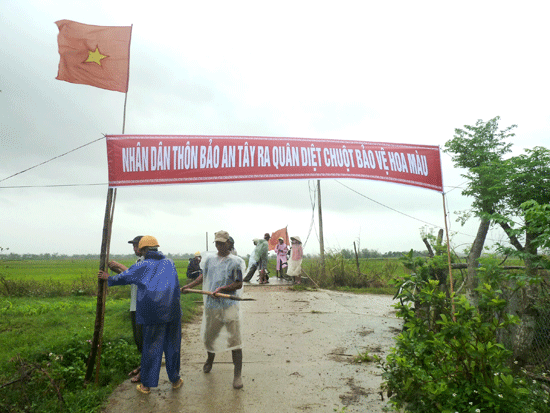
(197, 254)
(148, 241)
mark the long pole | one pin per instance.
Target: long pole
(321, 241)
(101, 287)
(97, 340)
(449, 259)
(95, 351)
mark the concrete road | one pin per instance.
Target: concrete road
(299, 356)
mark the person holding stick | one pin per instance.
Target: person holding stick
(158, 310)
(221, 320)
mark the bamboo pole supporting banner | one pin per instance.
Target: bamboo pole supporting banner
(106, 261)
(101, 286)
(97, 340)
(321, 239)
(449, 258)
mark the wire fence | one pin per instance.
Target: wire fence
(540, 354)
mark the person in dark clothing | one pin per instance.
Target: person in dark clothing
(117, 268)
(193, 268)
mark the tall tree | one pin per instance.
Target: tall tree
(480, 150)
(500, 189)
(526, 177)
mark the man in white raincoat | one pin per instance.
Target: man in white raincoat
(221, 320)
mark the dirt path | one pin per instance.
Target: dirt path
(298, 357)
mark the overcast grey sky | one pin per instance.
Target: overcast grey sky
(400, 72)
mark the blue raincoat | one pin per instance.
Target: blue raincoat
(158, 309)
(158, 295)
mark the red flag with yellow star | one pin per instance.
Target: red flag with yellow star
(94, 55)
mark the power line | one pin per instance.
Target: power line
(388, 207)
(312, 201)
(48, 186)
(49, 160)
(399, 212)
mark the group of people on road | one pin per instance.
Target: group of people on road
(287, 258)
(258, 260)
(155, 309)
(156, 312)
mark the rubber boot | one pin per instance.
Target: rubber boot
(237, 356)
(209, 361)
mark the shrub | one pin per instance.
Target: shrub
(54, 382)
(450, 361)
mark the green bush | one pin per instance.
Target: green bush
(451, 361)
(54, 382)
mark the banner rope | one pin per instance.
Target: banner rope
(49, 160)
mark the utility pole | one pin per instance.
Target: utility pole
(321, 241)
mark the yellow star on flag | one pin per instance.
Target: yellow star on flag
(95, 57)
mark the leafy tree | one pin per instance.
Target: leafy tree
(500, 188)
(526, 178)
(480, 150)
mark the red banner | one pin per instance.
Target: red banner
(154, 160)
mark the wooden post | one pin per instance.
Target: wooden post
(101, 287)
(321, 241)
(356, 259)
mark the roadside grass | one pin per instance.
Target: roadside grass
(372, 276)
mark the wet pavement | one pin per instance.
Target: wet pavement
(298, 356)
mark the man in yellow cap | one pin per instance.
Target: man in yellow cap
(157, 309)
(221, 320)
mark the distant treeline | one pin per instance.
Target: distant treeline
(346, 253)
(19, 257)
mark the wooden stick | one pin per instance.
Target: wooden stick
(101, 289)
(231, 297)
